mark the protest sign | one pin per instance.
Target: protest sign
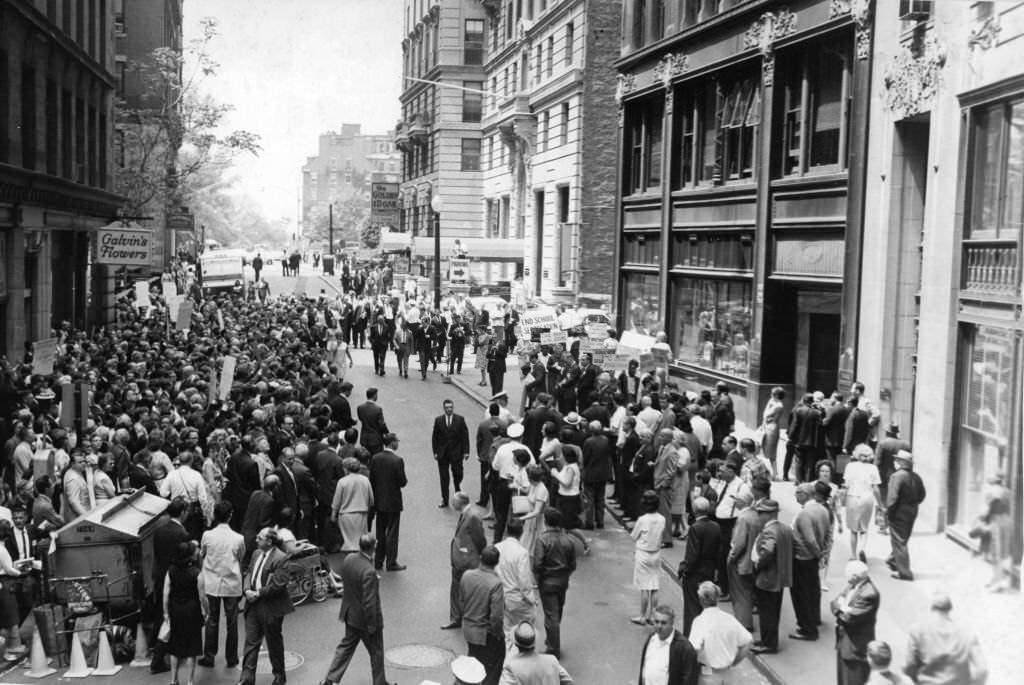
(173, 304)
(636, 340)
(44, 353)
(596, 331)
(184, 319)
(660, 354)
(553, 337)
(142, 294)
(538, 318)
(227, 377)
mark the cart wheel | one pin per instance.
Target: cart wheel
(299, 588)
(320, 586)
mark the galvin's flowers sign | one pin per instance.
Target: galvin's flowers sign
(123, 246)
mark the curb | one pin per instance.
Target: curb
(759, 663)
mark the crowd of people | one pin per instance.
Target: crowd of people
(278, 455)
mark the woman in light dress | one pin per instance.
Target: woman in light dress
(213, 466)
(861, 482)
(352, 503)
(770, 425)
(537, 497)
(646, 533)
(338, 354)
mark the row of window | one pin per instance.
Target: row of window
(716, 124)
(74, 134)
(514, 12)
(645, 21)
(516, 75)
(85, 22)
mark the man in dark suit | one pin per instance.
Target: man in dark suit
(265, 589)
(166, 539)
(905, 493)
(536, 383)
(834, 426)
(243, 478)
(702, 552)
(371, 416)
(596, 472)
(297, 491)
(483, 614)
(885, 460)
(683, 666)
(804, 435)
(337, 399)
(855, 609)
(450, 444)
(21, 546)
(534, 420)
(260, 512)
(387, 478)
(326, 468)
(361, 613)
(738, 564)
(467, 543)
(722, 418)
(379, 340)
(773, 573)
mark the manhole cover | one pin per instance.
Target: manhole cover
(292, 660)
(418, 656)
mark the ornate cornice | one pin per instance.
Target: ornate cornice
(985, 33)
(626, 85)
(762, 35)
(913, 78)
(668, 67)
(861, 13)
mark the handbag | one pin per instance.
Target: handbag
(520, 504)
(164, 635)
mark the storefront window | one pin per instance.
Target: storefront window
(640, 303)
(711, 323)
(987, 375)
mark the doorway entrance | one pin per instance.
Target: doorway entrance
(822, 352)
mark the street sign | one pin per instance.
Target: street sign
(458, 271)
(181, 222)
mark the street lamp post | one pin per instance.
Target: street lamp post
(437, 204)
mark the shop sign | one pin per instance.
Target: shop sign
(124, 247)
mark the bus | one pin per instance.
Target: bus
(221, 269)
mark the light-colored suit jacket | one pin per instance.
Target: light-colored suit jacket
(531, 668)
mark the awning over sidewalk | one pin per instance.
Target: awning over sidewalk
(479, 249)
(390, 240)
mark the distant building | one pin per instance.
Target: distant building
(549, 132)
(57, 89)
(346, 161)
(439, 135)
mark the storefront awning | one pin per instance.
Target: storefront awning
(480, 249)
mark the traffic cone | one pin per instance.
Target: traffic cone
(141, 647)
(78, 669)
(40, 667)
(105, 661)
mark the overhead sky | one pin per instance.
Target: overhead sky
(293, 69)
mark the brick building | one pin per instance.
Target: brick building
(549, 132)
(56, 98)
(345, 160)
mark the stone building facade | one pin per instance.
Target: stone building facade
(56, 98)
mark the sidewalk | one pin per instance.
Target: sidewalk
(997, 619)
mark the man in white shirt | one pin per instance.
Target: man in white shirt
(648, 415)
(189, 484)
(667, 649)
(720, 640)
(516, 573)
(701, 427)
(222, 550)
(503, 472)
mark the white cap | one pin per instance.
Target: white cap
(514, 430)
(468, 670)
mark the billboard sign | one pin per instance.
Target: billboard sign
(124, 247)
(384, 204)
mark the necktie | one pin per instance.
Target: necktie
(449, 421)
(257, 581)
(24, 545)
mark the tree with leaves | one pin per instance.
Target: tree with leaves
(351, 215)
(172, 146)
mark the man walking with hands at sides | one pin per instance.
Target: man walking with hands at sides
(265, 589)
(371, 416)
(554, 560)
(361, 613)
(387, 478)
(483, 613)
(905, 494)
(667, 656)
(469, 540)
(450, 444)
(222, 550)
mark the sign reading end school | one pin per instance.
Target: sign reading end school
(123, 247)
